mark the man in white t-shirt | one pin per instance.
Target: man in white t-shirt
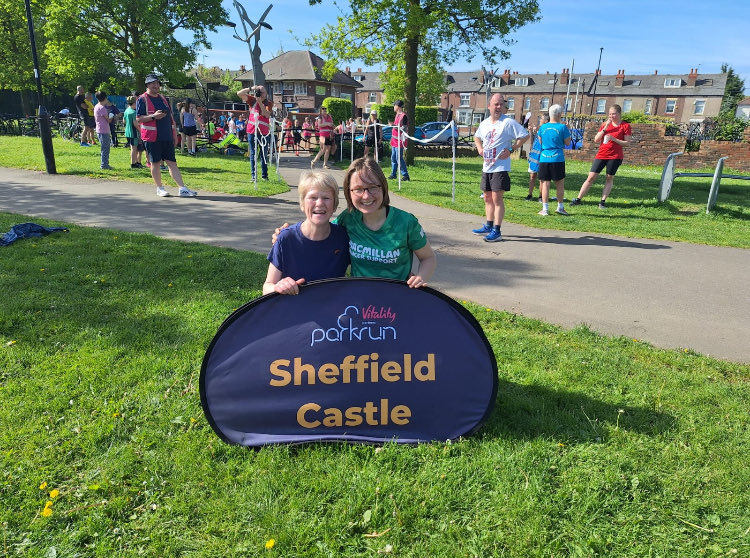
(496, 138)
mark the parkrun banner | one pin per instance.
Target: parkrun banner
(359, 360)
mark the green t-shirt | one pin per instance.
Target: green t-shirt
(129, 117)
(386, 252)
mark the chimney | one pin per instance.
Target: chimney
(348, 71)
(506, 76)
(515, 73)
(656, 72)
(564, 76)
(359, 70)
(482, 75)
(619, 78)
(692, 76)
(242, 68)
(598, 72)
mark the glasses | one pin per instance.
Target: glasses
(372, 190)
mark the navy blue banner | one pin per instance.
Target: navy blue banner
(356, 359)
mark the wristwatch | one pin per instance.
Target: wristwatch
(510, 149)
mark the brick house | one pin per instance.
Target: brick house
(685, 98)
(294, 80)
(370, 94)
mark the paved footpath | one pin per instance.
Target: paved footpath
(667, 293)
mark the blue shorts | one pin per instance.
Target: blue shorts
(162, 150)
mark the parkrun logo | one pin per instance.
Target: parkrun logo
(353, 324)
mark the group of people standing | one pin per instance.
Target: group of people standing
(500, 135)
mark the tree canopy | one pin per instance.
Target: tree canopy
(401, 33)
(734, 92)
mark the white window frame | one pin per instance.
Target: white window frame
(672, 82)
(699, 103)
(288, 86)
(601, 106)
(568, 104)
(347, 96)
(277, 88)
(300, 88)
(521, 82)
(335, 90)
(465, 100)
(511, 102)
(477, 118)
(648, 106)
(527, 103)
(674, 106)
(544, 103)
(372, 97)
(463, 117)
(627, 105)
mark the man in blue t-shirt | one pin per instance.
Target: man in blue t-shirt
(159, 134)
(553, 137)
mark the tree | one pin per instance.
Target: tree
(131, 36)
(397, 32)
(430, 78)
(733, 93)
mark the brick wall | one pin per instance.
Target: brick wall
(651, 147)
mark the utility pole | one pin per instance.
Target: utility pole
(45, 130)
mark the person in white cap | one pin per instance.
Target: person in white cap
(159, 134)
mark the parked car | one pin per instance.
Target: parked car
(387, 132)
(435, 131)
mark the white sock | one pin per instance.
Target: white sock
(560, 205)
(545, 206)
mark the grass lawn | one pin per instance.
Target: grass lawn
(208, 171)
(597, 446)
(633, 207)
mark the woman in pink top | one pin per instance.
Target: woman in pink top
(103, 117)
(325, 129)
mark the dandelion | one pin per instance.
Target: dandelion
(10, 343)
(193, 420)
(47, 511)
(170, 285)
(43, 485)
(270, 543)
(42, 269)
(115, 415)
(54, 493)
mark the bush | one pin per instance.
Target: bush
(339, 109)
(422, 114)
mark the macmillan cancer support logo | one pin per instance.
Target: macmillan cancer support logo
(370, 323)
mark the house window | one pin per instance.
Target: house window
(627, 105)
(511, 102)
(320, 90)
(477, 118)
(288, 86)
(300, 88)
(527, 103)
(358, 78)
(568, 103)
(647, 108)
(372, 97)
(672, 82)
(521, 81)
(465, 99)
(670, 107)
(699, 106)
(335, 91)
(347, 96)
(601, 106)
(544, 103)
(277, 88)
(463, 117)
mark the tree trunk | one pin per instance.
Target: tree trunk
(411, 53)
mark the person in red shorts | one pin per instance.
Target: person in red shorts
(613, 135)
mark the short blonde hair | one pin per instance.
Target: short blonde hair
(320, 180)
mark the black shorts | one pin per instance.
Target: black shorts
(130, 142)
(612, 165)
(89, 121)
(162, 150)
(327, 141)
(551, 171)
(495, 181)
(190, 131)
(370, 141)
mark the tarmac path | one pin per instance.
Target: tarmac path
(671, 294)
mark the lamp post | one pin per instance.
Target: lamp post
(45, 130)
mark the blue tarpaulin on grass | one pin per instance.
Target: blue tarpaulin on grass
(27, 230)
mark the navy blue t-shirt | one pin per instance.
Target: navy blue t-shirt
(298, 257)
(163, 125)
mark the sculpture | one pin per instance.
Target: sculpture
(259, 78)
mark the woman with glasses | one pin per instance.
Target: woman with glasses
(382, 238)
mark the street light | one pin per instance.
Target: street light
(45, 130)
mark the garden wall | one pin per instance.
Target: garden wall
(652, 147)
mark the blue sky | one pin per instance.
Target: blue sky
(638, 36)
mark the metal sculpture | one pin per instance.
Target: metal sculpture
(259, 78)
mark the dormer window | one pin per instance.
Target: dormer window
(521, 81)
(672, 82)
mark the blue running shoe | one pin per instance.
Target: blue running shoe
(483, 230)
(494, 236)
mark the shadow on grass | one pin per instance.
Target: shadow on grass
(528, 412)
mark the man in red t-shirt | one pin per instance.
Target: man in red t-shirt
(613, 135)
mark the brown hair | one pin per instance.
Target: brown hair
(365, 165)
